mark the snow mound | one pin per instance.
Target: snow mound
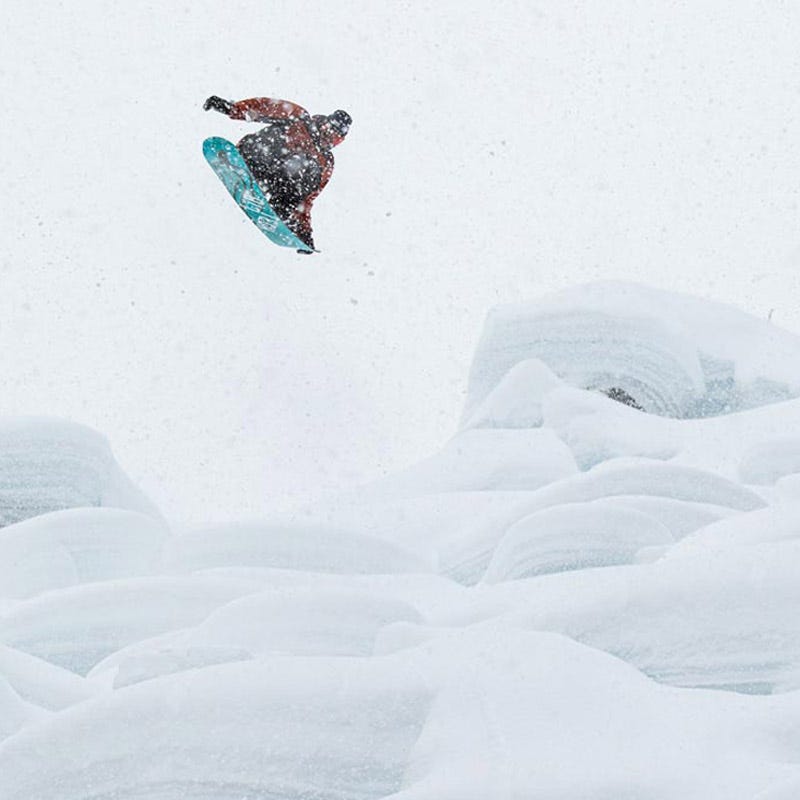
(710, 618)
(304, 621)
(77, 627)
(15, 713)
(65, 548)
(574, 536)
(765, 526)
(676, 355)
(767, 462)
(287, 545)
(426, 722)
(48, 465)
(40, 683)
(516, 401)
(290, 728)
(486, 460)
(596, 727)
(640, 476)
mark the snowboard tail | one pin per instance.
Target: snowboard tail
(231, 169)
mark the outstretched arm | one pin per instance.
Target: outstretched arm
(257, 109)
(218, 104)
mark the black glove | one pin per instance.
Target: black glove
(218, 104)
(305, 252)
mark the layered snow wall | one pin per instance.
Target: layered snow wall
(49, 465)
(678, 356)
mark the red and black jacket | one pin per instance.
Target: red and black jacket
(301, 134)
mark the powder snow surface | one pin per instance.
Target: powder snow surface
(574, 599)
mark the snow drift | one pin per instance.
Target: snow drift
(575, 598)
(49, 465)
(678, 356)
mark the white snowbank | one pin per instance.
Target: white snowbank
(538, 715)
(287, 545)
(574, 536)
(573, 599)
(441, 527)
(516, 401)
(76, 627)
(15, 713)
(64, 548)
(308, 621)
(49, 464)
(677, 355)
(706, 617)
(458, 716)
(486, 460)
(41, 683)
(640, 476)
(284, 727)
(768, 461)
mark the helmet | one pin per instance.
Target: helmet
(340, 121)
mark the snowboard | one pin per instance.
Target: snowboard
(228, 164)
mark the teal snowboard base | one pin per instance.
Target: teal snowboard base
(227, 162)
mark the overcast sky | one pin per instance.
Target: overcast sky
(496, 154)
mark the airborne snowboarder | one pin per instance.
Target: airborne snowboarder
(291, 158)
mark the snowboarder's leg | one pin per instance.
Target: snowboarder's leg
(290, 209)
(287, 179)
(289, 187)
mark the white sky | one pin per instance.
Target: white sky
(496, 153)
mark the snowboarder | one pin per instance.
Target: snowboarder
(291, 158)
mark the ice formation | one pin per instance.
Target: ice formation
(49, 465)
(676, 355)
(573, 598)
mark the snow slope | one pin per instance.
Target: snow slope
(573, 599)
